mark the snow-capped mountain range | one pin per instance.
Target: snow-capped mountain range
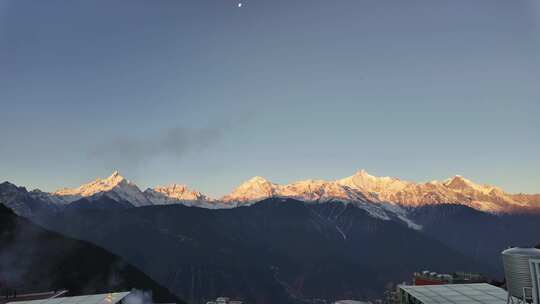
(386, 198)
(360, 188)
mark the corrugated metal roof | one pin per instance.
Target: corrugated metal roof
(481, 293)
(106, 298)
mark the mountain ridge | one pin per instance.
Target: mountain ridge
(360, 186)
(383, 197)
(265, 252)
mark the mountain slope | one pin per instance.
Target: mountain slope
(34, 259)
(478, 234)
(275, 251)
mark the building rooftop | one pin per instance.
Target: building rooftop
(11, 296)
(481, 293)
(106, 298)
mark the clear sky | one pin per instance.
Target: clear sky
(205, 93)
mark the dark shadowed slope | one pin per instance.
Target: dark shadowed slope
(34, 259)
(274, 251)
(480, 235)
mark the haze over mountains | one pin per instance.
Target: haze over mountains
(33, 259)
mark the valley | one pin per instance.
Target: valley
(292, 243)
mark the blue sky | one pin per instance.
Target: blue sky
(205, 93)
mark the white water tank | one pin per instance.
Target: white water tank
(517, 271)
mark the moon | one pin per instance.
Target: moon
(240, 4)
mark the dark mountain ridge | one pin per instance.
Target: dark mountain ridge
(34, 259)
(480, 235)
(278, 250)
(33, 204)
(19, 200)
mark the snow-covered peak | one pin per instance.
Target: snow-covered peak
(255, 189)
(114, 186)
(459, 183)
(363, 173)
(257, 180)
(115, 177)
(174, 193)
(96, 186)
(365, 182)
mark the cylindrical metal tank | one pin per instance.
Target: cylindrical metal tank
(516, 270)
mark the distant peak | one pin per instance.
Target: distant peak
(257, 179)
(460, 182)
(177, 186)
(8, 185)
(115, 178)
(98, 185)
(175, 192)
(364, 175)
(115, 175)
(362, 172)
(256, 188)
(456, 178)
